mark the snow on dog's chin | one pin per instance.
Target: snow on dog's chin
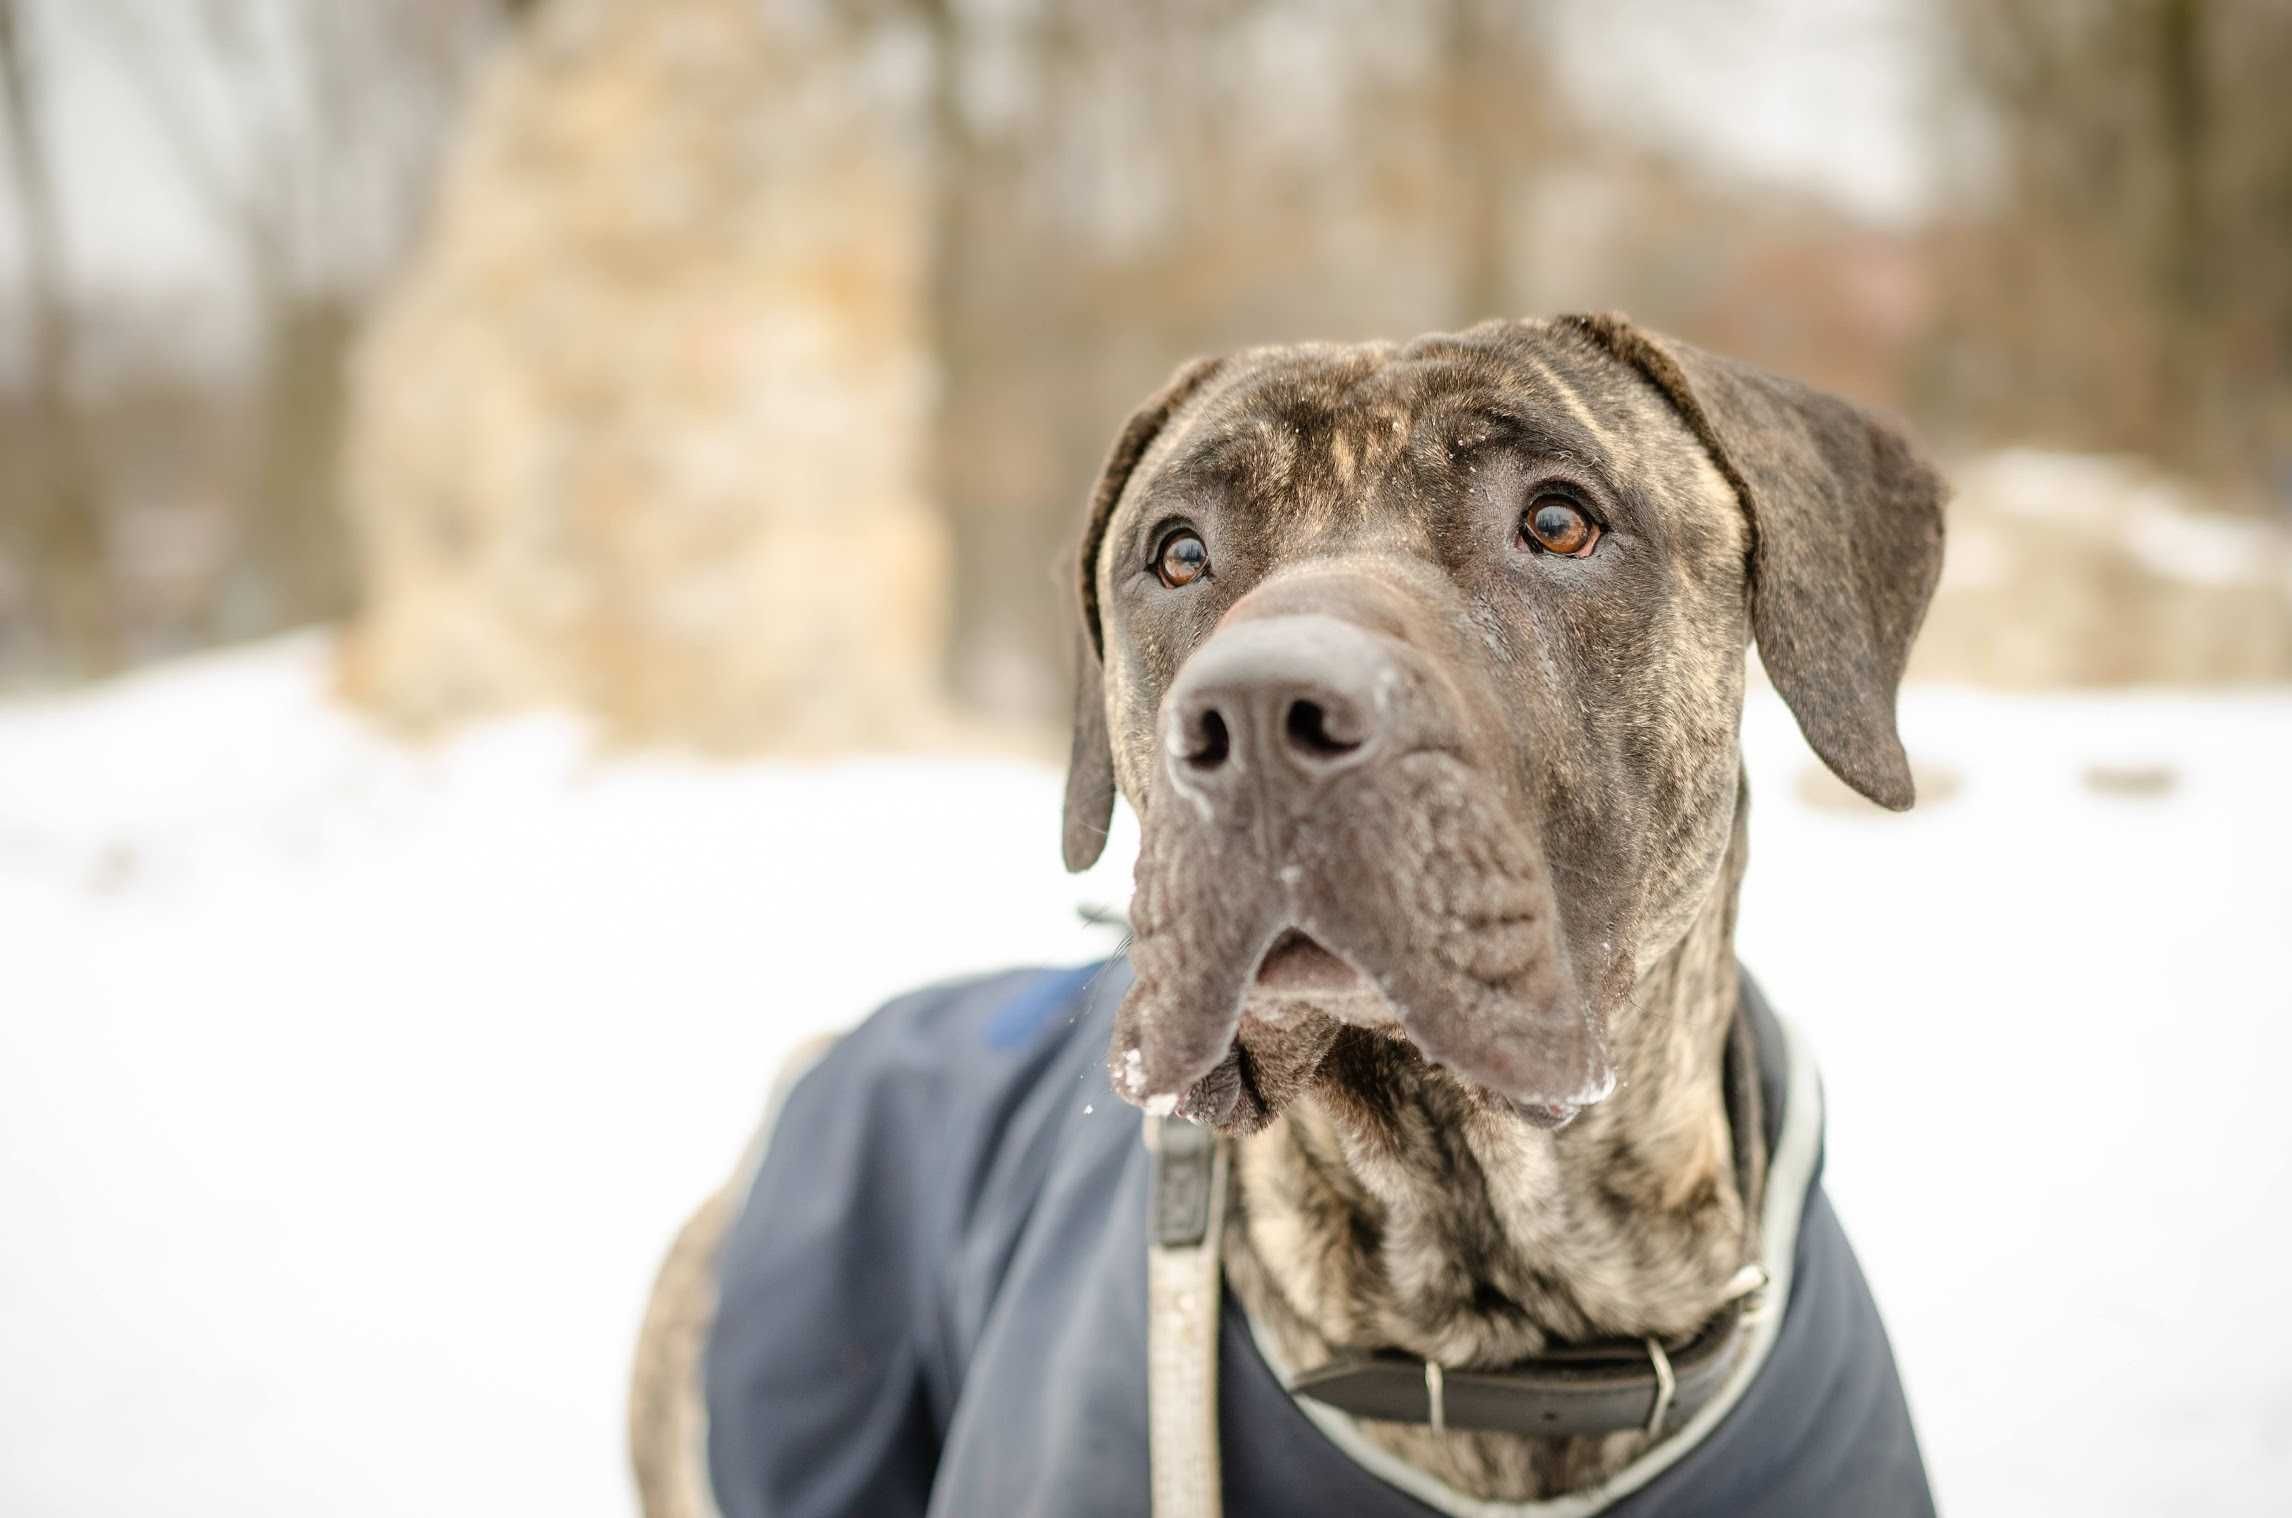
(1130, 1081)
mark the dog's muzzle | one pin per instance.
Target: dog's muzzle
(1322, 846)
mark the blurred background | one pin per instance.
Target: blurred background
(532, 549)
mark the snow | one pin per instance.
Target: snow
(2123, 501)
(349, 1091)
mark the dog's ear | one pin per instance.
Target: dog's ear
(1090, 767)
(1846, 542)
(1090, 763)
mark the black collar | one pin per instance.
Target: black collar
(1598, 1387)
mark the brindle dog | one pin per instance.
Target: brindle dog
(1423, 669)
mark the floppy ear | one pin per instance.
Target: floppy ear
(1846, 542)
(1090, 762)
(1090, 767)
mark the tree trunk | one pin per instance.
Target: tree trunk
(1476, 162)
(2187, 234)
(296, 557)
(58, 513)
(987, 432)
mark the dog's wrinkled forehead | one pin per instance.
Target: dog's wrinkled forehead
(1361, 440)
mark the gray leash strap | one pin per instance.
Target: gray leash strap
(1186, 1215)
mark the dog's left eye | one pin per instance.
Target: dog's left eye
(1558, 525)
(1182, 559)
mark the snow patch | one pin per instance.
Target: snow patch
(2119, 500)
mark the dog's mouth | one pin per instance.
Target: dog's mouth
(1429, 917)
(1297, 965)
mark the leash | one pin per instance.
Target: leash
(1183, 1285)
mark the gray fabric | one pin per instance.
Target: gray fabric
(934, 1303)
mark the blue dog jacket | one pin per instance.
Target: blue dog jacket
(934, 1303)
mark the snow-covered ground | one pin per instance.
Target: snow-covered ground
(348, 1091)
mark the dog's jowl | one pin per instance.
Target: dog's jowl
(1422, 666)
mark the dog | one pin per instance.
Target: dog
(1422, 666)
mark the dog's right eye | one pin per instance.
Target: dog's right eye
(1557, 525)
(1182, 558)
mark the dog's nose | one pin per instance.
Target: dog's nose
(1289, 698)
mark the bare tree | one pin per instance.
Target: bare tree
(56, 511)
(2143, 202)
(1491, 108)
(313, 167)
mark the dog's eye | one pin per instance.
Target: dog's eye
(1182, 559)
(1558, 525)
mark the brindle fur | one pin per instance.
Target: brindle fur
(1586, 814)
(667, 1419)
(1391, 1209)
(1561, 844)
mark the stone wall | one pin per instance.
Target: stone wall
(642, 429)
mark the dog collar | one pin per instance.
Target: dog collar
(1593, 1388)
(1570, 1391)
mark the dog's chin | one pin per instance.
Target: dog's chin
(1299, 1004)
(1274, 1059)
(1298, 1001)
(1273, 1062)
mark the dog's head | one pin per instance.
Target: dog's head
(1423, 668)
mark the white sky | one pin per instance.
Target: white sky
(131, 218)
(1832, 94)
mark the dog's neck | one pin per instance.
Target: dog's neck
(1390, 1209)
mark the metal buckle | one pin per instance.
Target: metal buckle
(1185, 1180)
(1665, 1386)
(1436, 1393)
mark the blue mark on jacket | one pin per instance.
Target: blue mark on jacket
(1019, 1023)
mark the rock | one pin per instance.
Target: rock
(642, 427)
(2073, 570)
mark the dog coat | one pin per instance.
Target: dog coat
(933, 1302)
